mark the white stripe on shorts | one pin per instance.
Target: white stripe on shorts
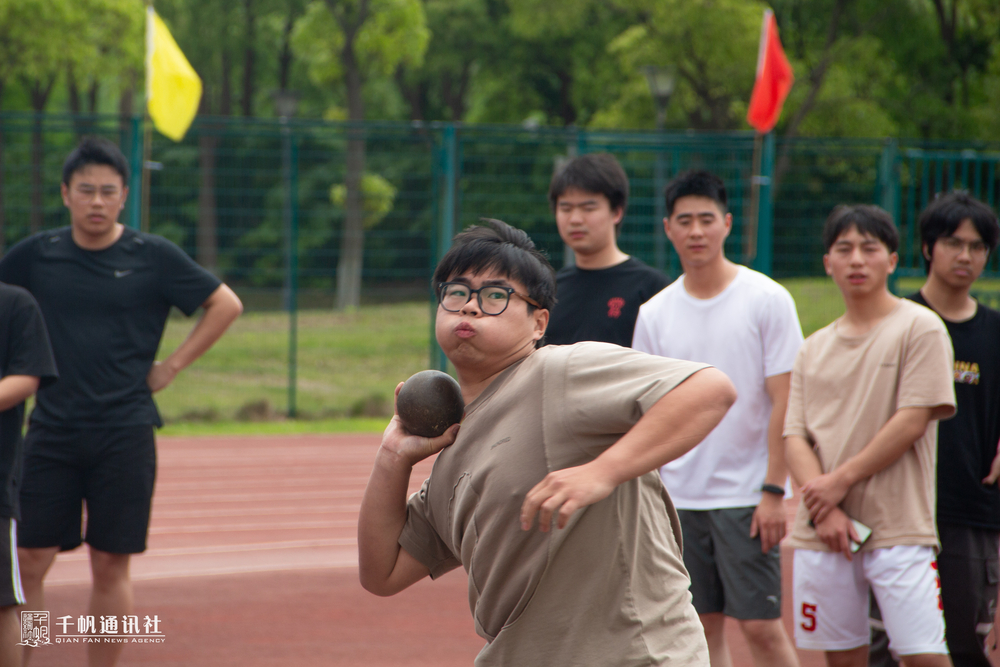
(15, 568)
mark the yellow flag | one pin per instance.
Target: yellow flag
(173, 88)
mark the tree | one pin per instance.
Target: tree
(349, 42)
(438, 88)
(47, 34)
(112, 50)
(713, 45)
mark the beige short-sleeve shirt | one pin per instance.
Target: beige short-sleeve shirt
(611, 587)
(844, 389)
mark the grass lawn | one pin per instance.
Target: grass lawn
(348, 365)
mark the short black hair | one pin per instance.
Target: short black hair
(695, 183)
(947, 212)
(593, 172)
(496, 246)
(95, 150)
(868, 219)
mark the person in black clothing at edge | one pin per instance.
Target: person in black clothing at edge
(26, 363)
(105, 292)
(600, 295)
(958, 233)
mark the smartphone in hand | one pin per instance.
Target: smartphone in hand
(863, 531)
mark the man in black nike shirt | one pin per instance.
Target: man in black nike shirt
(958, 233)
(105, 292)
(599, 296)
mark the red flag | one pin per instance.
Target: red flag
(774, 78)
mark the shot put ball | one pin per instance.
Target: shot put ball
(429, 402)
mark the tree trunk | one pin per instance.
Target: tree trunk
(817, 76)
(92, 99)
(39, 93)
(285, 56)
(74, 101)
(415, 94)
(248, 60)
(125, 114)
(226, 88)
(206, 242)
(207, 236)
(352, 244)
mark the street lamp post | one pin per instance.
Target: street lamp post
(286, 103)
(661, 82)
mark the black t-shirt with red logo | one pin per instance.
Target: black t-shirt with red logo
(967, 443)
(603, 304)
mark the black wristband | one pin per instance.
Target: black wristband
(773, 488)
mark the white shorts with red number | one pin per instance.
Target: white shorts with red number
(831, 599)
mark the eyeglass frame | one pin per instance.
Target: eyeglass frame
(956, 245)
(479, 297)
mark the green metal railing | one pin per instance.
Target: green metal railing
(251, 198)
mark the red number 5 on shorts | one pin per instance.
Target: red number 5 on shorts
(808, 613)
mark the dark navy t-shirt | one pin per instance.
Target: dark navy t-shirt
(967, 443)
(24, 350)
(105, 311)
(601, 304)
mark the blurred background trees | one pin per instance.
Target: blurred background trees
(915, 68)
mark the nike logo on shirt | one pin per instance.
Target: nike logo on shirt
(122, 274)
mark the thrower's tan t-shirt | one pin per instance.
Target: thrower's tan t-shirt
(610, 588)
(844, 389)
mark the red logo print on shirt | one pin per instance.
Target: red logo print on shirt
(615, 305)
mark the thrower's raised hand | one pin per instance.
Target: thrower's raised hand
(413, 448)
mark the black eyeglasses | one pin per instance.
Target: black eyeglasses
(492, 299)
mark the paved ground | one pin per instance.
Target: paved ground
(252, 561)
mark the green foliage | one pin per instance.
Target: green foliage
(318, 41)
(713, 44)
(394, 33)
(509, 61)
(377, 196)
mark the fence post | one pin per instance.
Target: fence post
(446, 225)
(763, 262)
(135, 159)
(888, 191)
(290, 164)
(659, 205)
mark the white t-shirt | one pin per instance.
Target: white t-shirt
(750, 331)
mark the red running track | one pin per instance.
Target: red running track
(252, 561)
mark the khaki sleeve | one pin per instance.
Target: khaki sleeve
(420, 540)
(795, 415)
(608, 388)
(927, 375)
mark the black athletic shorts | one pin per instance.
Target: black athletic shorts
(729, 574)
(10, 579)
(110, 471)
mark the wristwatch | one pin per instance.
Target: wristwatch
(773, 488)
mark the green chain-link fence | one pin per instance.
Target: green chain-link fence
(262, 202)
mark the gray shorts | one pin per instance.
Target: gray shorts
(729, 574)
